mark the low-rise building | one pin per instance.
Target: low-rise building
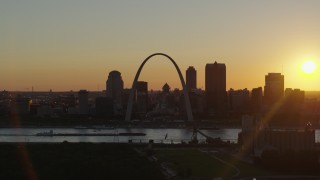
(256, 137)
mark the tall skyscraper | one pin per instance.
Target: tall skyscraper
(114, 87)
(215, 84)
(191, 78)
(274, 88)
(142, 97)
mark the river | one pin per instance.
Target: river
(158, 135)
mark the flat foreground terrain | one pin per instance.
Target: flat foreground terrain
(210, 163)
(194, 162)
(74, 161)
(129, 161)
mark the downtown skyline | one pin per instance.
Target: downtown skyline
(74, 45)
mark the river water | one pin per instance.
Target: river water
(158, 135)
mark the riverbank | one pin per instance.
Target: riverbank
(89, 122)
(69, 122)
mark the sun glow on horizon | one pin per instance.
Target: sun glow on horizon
(309, 67)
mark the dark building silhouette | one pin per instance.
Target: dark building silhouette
(21, 105)
(238, 100)
(142, 97)
(166, 89)
(66, 101)
(114, 87)
(294, 96)
(256, 100)
(4, 95)
(167, 100)
(125, 97)
(256, 136)
(274, 88)
(104, 107)
(5, 100)
(294, 99)
(191, 78)
(197, 101)
(215, 84)
(83, 102)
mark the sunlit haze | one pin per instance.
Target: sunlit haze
(72, 45)
(309, 67)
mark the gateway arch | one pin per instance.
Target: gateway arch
(133, 89)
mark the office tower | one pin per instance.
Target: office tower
(191, 78)
(256, 99)
(274, 88)
(114, 87)
(83, 102)
(239, 100)
(215, 84)
(142, 97)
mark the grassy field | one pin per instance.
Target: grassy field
(119, 161)
(246, 169)
(74, 161)
(189, 163)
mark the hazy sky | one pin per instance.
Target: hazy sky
(72, 45)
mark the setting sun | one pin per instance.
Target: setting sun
(309, 67)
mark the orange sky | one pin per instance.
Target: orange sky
(73, 45)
